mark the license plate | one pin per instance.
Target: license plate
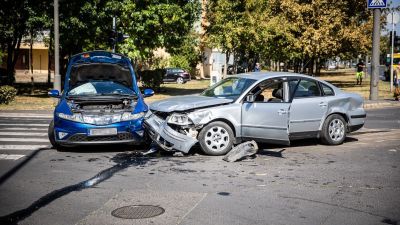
(103, 132)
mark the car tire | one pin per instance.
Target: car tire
(52, 138)
(334, 130)
(216, 138)
(180, 80)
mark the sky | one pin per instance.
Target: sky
(394, 3)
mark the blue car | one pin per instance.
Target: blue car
(101, 103)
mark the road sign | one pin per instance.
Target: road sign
(376, 4)
(392, 18)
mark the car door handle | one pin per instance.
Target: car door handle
(282, 111)
(323, 104)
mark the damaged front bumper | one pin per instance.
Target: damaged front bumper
(166, 137)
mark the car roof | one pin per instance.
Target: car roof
(264, 75)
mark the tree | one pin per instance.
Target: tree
(155, 24)
(297, 30)
(19, 17)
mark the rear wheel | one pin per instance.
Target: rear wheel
(334, 130)
(180, 80)
(216, 138)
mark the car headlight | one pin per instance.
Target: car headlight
(77, 117)
(179, 119)
(129, 116)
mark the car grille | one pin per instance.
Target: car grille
(85, 138)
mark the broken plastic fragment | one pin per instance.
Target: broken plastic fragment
(241, 151)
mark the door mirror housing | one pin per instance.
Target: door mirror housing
(148, 93)
(54, 93)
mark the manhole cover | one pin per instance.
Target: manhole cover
(137, 211)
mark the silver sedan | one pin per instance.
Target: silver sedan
(271, 107)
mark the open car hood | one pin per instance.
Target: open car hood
(84, 72)
(184, 103)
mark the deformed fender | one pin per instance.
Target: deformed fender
(166, 137)
(347, 104)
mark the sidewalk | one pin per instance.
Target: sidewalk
(370, 104)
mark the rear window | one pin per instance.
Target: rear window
(328, 91)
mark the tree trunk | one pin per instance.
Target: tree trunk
(30, 52)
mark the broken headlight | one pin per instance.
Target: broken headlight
(179, 119)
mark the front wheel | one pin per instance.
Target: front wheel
(180, 80)
(216, 138)
(334, 130)
(52, 138)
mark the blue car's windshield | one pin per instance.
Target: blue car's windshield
(103, 88)
(228, 88)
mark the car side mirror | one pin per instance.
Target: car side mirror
(250, 98)
(148, 92)
(54, 93)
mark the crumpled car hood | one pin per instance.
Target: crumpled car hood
(184, 103)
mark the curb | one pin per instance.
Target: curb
(376, 105)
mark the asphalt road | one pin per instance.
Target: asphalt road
(307, 183)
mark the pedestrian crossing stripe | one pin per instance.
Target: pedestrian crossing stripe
(11, 156)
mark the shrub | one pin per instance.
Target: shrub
(7, 94)
(152, 78)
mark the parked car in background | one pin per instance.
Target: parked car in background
(101, 102)
(177, 75)
(274, 107)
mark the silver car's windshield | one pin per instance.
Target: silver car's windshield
(228, 88)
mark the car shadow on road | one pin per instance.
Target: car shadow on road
(121, 160)
(277, 150)
(104, 148)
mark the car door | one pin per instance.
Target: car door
(265, 113)
(308, 107)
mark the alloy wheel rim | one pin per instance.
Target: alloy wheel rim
(179, 80)
(217, 139)
(336, 130)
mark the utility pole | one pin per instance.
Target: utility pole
(373, 95)
(57, 76)
(114, 33)
(375, 5)
(393, 19)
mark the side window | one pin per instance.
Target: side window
(327, 90)
(307, 88)
(271, 90)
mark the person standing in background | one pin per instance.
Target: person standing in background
(360, 71)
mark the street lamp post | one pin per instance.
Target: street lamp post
(57, 76)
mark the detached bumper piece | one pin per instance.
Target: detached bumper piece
(167, 138)
(82, 139)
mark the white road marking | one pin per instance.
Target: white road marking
(11, 156)
(23, 128)
(34, 134)
(392, 150)
(25, 125)
(261, 174)
(25, 139)
(22, 147)
(25, 115)
(380, 141)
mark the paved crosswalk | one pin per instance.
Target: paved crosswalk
(22, 133)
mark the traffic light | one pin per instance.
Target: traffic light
(116, 37)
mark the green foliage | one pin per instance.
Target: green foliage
(179, 61)
(152, 78)
(153, 25)
(283, 30)
(7, 94)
